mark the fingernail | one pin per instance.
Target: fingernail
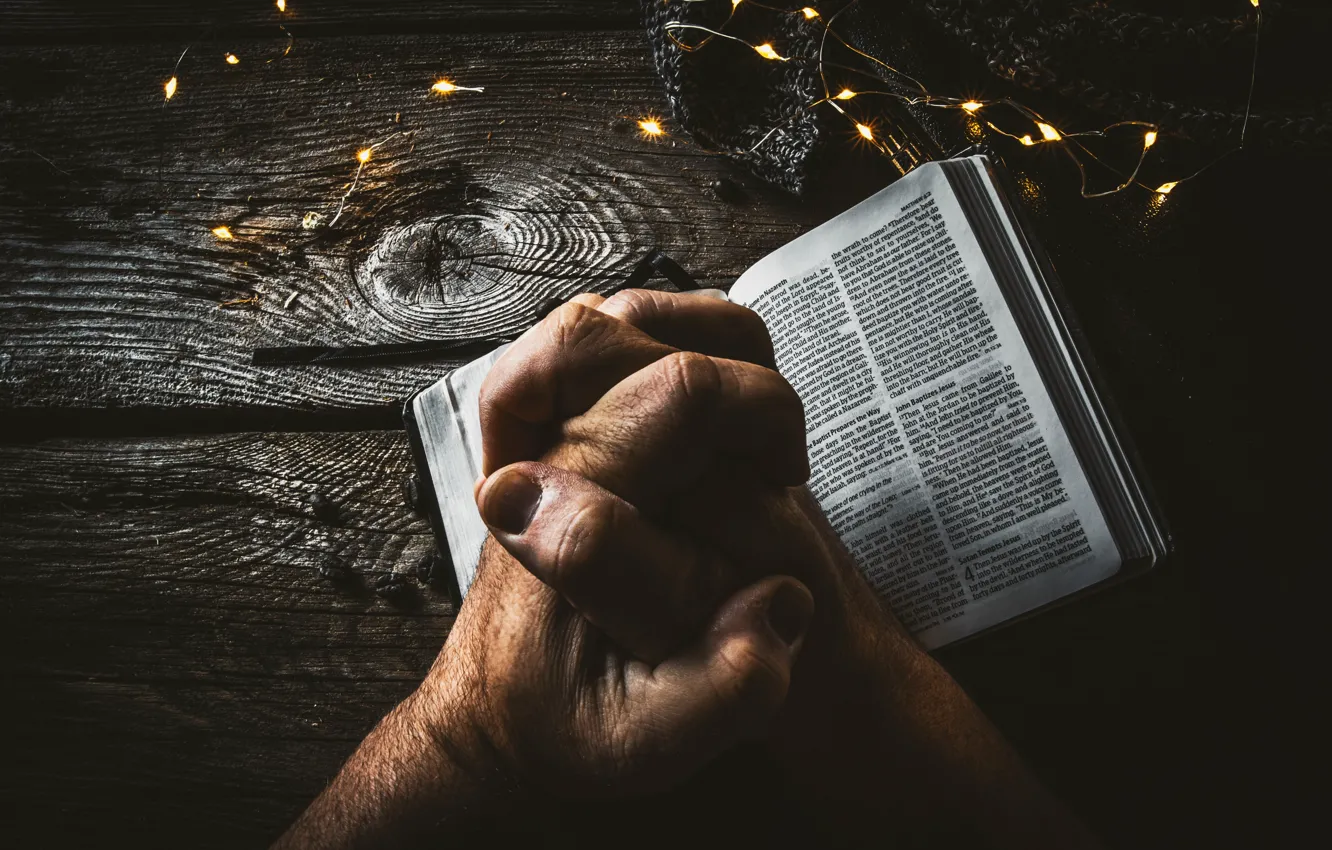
(510, 501)
(718, 294)
(789, 612)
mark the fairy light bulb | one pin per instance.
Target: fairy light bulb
(448, 87)
(972, 105)
(232, 59)
(282, 5)
(865, 131)
(223, 232)
(1050, 134)
(170, 88)
(1026, 140)
(767, 52)
(812, 13)
(1167, 188)
(364, 155)
(1149, 139)
(846, 94)
(650, 127)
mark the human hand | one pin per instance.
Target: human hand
(668, 409)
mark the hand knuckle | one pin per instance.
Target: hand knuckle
(582, 548)
(694, 376)
(634, 306)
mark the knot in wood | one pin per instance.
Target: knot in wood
(438, 261)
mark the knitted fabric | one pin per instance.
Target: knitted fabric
(1114, 59)
(728, 98)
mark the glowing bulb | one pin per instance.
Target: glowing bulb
(650, 127)
(811, 14)
(170, 88)
(1050, 134)
(363, 155)
(444, 86)
(1255, 3)
(766, 51)
(1026, 140)
(972, 105)
(1166, 188)
(734, 3)
(865, 131)
(233, 59)
(1149, 139)
(845, 94)
(223, 232)
(282, 5)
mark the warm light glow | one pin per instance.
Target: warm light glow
(1149, 139)
(282, 5)
(734, 3)
(223, 232)
(1026, 140)
(233, 59)
(811, 14)
(865, 131)
(972, 105)
(363, 155)
(1166, 188)
(446, 87)
(1255, 3)
(845, 94)
(170, 88)
(650, 127)
(766, 51)
(1050, 134)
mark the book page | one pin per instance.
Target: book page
(449, 417)
(936, 452)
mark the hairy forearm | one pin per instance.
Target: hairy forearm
(415, 773)
(901, 744)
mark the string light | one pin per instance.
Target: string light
(363, 155)
(1167, 188)
(446, 87)
(232, 59)
(1050, 134)
(914, 93)
(650, 127)
(282, 5)
(170, 88)
(223, 232)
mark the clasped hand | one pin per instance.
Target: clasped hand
(657, 586)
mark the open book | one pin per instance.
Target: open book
(957, 442)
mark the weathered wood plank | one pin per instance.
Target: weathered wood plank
(170, 647)
(26, 21)
(475, 209)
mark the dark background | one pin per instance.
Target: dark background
(174, 668)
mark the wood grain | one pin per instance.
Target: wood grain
(474, 211)
(27, 21)
(171, 652)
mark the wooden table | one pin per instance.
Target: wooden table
(173, 664)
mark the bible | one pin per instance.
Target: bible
(958, 441)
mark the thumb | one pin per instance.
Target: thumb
(728, 684)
